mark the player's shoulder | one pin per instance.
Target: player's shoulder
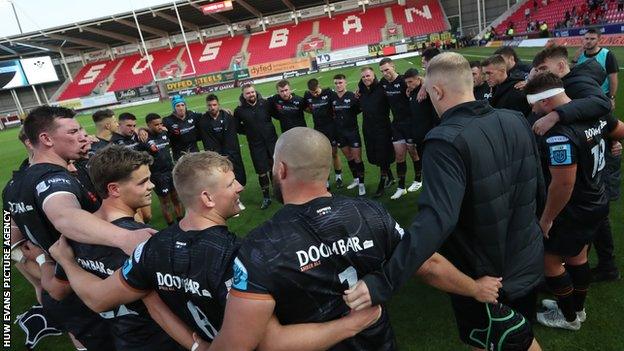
(560, 133)
(129, 223)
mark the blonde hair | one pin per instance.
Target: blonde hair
(197, 171)
(449, 69)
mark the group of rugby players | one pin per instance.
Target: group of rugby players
(509, 194)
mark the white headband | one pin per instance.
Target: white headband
(533, 98)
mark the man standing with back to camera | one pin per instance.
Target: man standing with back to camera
(482, 178)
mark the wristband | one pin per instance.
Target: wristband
(41, 260)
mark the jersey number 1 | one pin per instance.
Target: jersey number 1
(598, 152)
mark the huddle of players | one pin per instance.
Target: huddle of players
(571, 111)
(267, 279)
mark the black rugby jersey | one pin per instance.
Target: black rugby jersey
(399, 104)
(580, 143)
(320, 107)
(346, 109)
(157, 145)
(98, 145)
(289, 113)
(219, 134)
(131, 324)
(41, 182)
(11, 193)
(305, 256)
(131, 142)
(191, 272)
(182, 133)
(424, 116)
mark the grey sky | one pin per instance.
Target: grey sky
(41, 14)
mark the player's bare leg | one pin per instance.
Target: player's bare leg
(337, 167)
(177, 205)
(166, 208)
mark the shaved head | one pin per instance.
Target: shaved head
(449, 81)
(306, 153)
(452, 71)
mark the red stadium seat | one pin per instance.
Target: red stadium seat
(416, 17)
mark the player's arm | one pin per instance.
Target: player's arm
(444, 175)
(58, 289)
(65, 213)
(251, 314)
(617, 131)
(168, 321)
(316, 336)
(559, 193)
(98, 294)
(612, 75)
(438, 272)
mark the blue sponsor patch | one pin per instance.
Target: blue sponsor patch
(560, 155)
(126, 267)
(557, 139)
(240, 275)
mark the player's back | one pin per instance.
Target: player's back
(131, 324)
(307, 255)
(190, 270)
(581, 143)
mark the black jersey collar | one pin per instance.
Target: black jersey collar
(475, 108)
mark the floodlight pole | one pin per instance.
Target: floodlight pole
(19, 25)
(479, 14)
(149, 62)
(71, 79)
(36, 94)
(20, 109)
(188, 50)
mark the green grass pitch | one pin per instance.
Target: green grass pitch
(421, 316)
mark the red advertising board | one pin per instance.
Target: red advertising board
(217, 7)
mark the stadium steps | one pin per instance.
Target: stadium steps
(110, 79)
(60, 90)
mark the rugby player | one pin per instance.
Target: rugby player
(346, 107)
(478, 206)
(286, 107)
(217, 129)
(57, 202)
(105, 124)
(402, 126)
(424, 118)
(482, 90)
(573, 160)
(158, 146)
(318, 101)
(126, 135)
(504, 93)
(121, 177)
(189, 265)
(513, 64)
(181, 129)
(376, 127)
(254, 121)
(296, 264)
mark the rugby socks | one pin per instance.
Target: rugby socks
(263, 179)
(359, 166)
(561, 286)
(353, 168)
(418, 170)
(401, 170)
(581, 277)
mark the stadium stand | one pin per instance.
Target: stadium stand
(344, 30)
(554, 14)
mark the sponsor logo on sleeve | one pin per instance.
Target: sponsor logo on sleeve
(240, 275)
(41, 187)
(557, 139)
(560, 155)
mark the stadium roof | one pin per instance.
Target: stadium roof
(155, 22)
